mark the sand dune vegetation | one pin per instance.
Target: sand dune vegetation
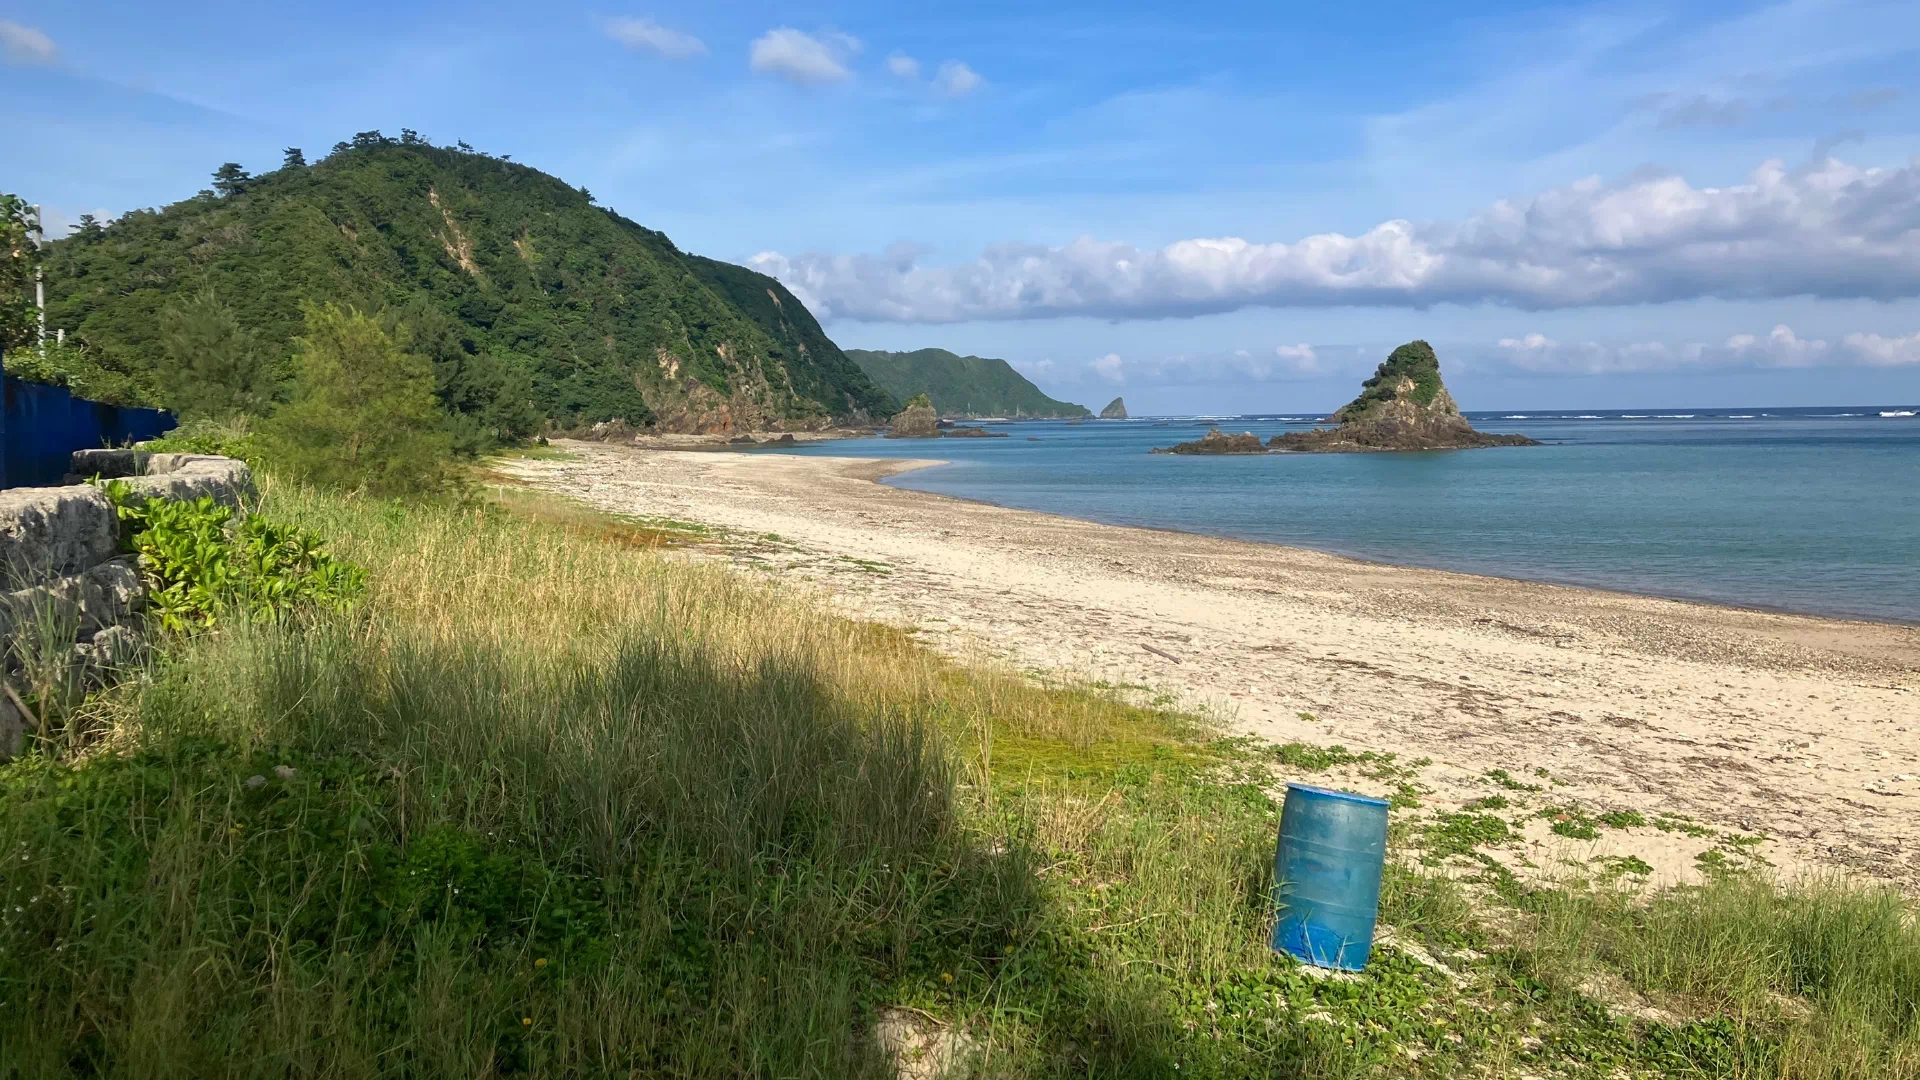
(554, 800)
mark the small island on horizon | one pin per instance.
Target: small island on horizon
(1404, 406)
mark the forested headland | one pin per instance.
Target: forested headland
(519, 301)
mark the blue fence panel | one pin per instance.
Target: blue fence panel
(41, 426)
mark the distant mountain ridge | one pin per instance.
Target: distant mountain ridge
(590, 315)
(961, 386)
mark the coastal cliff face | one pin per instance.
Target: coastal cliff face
(1115, 410)
(1404, 406)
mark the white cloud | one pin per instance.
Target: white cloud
(1877, 351)
(651, 36)
(801, 58)
(903, 66)
(1831, 230)
(1298, 358)
(25, 45)
(956, 79)
(1780, 347)
(1284, 364)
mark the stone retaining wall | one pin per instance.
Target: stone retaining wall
(61, 570)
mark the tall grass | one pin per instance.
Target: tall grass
(1819, 980)
(548, 805)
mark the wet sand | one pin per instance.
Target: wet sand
(1803, 730)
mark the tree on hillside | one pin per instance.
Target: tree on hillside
(295, 159)
(363, 415)
(488, 403)
(89, 227)
(209, 364)
(230, 179)
(19, 320)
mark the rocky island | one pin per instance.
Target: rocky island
(1115, 410)
(1404, 406)
(919, 421)
(1216, 441)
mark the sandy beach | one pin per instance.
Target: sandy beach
(1803, 731)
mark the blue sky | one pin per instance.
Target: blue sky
(1222, 207)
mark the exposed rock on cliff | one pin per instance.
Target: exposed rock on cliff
(1218, 442)
(1115, 410)
(1404, 406)
(917, 420)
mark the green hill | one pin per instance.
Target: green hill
(518, 284)
(960, 385)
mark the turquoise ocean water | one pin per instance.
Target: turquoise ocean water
(1813, 510)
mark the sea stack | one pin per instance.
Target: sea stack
(1115, 410)
(917, 420)
(1404, 406)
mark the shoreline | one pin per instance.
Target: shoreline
(917, 465)
(1796, 728)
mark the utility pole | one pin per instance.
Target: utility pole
(40, 274)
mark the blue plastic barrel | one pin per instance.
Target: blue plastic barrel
(1326, 875)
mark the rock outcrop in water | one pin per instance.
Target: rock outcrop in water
(1218, 442)
(917, 420)
(1115, 410)
(1404, 406)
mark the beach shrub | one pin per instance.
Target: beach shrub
(232, 437)
(200, 561)
(82, 370)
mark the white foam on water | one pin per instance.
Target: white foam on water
(1897, 412)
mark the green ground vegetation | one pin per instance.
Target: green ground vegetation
(544, 802)
(961, 386)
